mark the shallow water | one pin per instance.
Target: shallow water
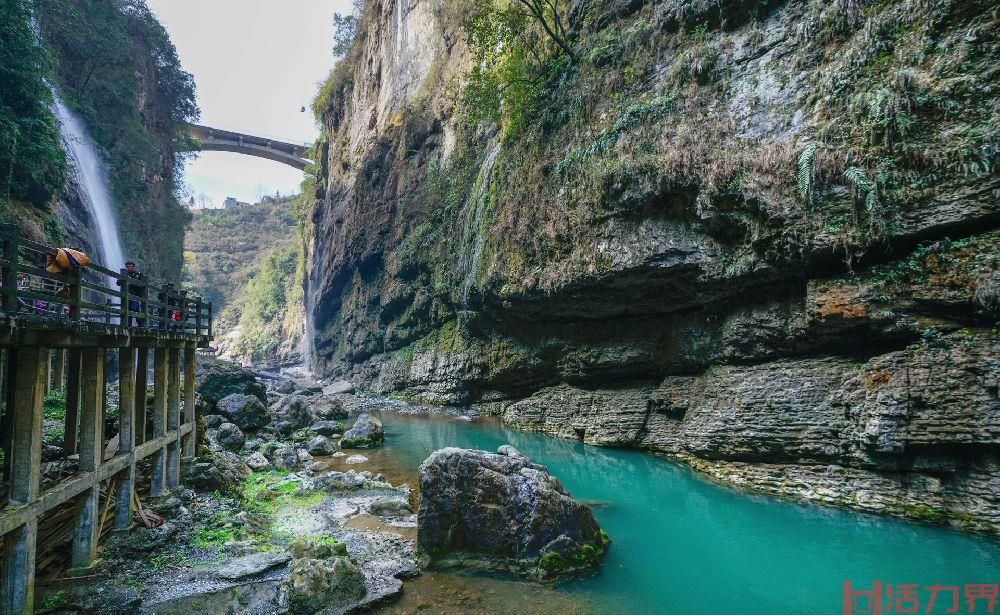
(681, 544)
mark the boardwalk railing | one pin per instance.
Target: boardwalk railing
(82, 319)
(92, 294)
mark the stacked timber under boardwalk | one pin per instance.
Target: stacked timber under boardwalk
(79, 330)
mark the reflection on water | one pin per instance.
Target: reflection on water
(680, 544)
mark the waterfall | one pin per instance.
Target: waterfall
(476, 205)
(84, 158)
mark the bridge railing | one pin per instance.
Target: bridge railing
(92, 294)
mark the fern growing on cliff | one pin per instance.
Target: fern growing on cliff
(805, 169)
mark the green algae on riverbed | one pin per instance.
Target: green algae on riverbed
(681, 544)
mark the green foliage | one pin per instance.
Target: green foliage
(515, 55)
(344, 29)
(805, 168)
(117, 67)
(32, 163)
(272, 305)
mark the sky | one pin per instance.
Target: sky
(255, 63)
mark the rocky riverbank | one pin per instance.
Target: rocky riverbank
(275, 515)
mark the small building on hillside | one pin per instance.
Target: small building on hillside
(231, 202)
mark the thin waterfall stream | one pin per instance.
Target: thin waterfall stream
(84, 158)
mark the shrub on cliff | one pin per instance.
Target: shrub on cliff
(32, 163)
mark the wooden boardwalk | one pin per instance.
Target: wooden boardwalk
(78, 330)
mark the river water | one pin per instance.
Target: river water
(681, 544)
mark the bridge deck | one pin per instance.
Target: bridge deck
(63, 328)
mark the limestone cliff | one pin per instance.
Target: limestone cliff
(755, 236)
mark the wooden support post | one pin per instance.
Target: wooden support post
(47, 371)
(126, 412)
(85, 535)
(58, 369)
(159, 418)
(7, 418)
(173, 417)
(189, 394)
(26, 456)
(72, 401)
(141, 371)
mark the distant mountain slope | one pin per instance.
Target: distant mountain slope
(247, 253)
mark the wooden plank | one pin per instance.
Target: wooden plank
(126, 411)
(189, 394)
(16, 515)
(6, 419)
(173, 416)
(159, 477)
(72, 400)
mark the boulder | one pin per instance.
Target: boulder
(258, 462)
(217, 471)
(303, 455)
(249, 565)
(354, 459)
(316, 584)
(327, 428)
(285, 387)
(390, 507)
(320, 445)
(285, 458)
(220, 379)
(327, 407)
(245, 411)
(212, 421)
(339, 386)
(230, 437)
(365, 433)
(290, 414)
(501, 510)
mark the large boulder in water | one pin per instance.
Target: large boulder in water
(291, 413)
(245, 411)
(365, 433)
(501, 510)
(220, 379)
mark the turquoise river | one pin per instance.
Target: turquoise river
(682, 544)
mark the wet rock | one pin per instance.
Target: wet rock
(338, 386)
(328, 407)
(212, 421)
(245, 411)
(217, 471)
(390, 507)
(285, 458)
(499, 509)
(315, 584)
(258, 462)
(320, 445)
(252, 564)
(327, 428)
(303, 455)
(365, 433)
(353, 459)
(285, 387)
(290, 414)
(340, 481)
(318, 466)
(230, 437)
(221, 379)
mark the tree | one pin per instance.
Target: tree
(547, 14)
(344, 29)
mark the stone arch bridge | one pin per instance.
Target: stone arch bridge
(215, 139)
